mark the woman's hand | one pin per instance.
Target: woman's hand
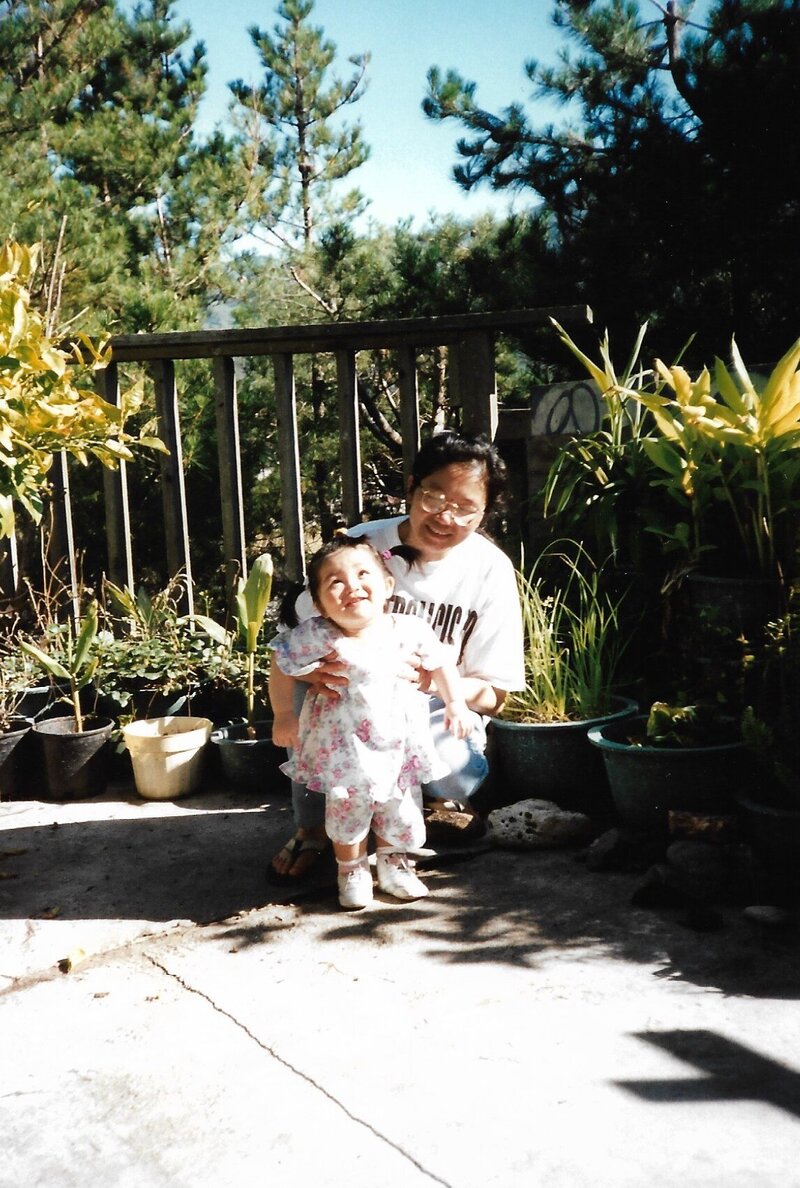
(328, 677)
(285, 729)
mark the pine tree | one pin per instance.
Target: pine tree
(293, 109)
(669, 184)
(134, 212)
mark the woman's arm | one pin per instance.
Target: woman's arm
(281, 697)
(482, 697)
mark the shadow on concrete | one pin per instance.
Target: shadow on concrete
(206, 863)
(194, 865)
(730, 1072)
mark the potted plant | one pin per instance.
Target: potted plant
(13, 729)
(153, 663)
(676, 758)
(47, 400)
(770, 802)
(152, 659)
(725, 450)
(246, 751)
(574, 644)
(75, 745)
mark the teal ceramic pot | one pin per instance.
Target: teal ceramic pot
(648, 782)
(553, 761)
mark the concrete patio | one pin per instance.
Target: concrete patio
(524, 1025)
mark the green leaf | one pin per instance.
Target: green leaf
(48, 663)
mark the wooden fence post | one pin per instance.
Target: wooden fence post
(474, 381)
(289, 464)
(349, 443)
(230, 471)
(409, 408)
(115, 491)
(173, 489)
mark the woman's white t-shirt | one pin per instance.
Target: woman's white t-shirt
(469, 598)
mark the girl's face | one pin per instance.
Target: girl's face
(446, 507)
(353, 589)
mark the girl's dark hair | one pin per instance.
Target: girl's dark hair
(288, 613)
(448, 447)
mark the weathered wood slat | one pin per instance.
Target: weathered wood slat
(60, 543)
(330, 337)
(475, 383)
(409, 408)
(173, 490)
(9, 567)
(289, 463)
(115, 490)
(349, 443)
(230, 470)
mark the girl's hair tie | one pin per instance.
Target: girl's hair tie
(386, 554)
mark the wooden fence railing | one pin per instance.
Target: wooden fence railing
(470, 342)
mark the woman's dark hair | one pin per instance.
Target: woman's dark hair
(448, 447)
(288, 612)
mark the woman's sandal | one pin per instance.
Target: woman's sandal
(294, 848)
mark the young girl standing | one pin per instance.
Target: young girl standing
(371, 748)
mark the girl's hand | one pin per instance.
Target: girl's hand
(329, 673)
(457, 718)
(285, 729)
(411, 670)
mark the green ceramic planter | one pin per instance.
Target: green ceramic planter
(647, 783)
(554, 761)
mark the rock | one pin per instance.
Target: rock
(660, 889)
(619, 849)
(703, 870)
(710, 827)
(609, 851)
(768, 915)
(535, 825)
(701, 918)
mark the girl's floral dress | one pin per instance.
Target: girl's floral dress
(374, 740)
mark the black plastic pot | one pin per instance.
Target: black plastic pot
(76, 765)
(250, 762)
(11, 760)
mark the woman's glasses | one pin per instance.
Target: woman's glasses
(435, 503)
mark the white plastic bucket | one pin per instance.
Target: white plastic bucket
(167, 754)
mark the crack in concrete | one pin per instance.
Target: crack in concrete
(298, 1072)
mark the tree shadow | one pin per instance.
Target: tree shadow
(205, 861)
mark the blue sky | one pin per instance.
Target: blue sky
(409, 172)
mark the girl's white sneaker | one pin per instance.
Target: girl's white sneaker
(396, 876)
(355, 887)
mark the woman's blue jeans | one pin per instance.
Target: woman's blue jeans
(464, 756)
